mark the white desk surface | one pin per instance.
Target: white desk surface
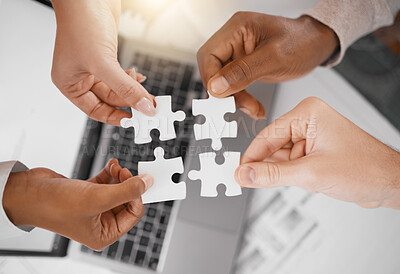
(42, 128)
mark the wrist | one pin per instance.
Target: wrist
(323, 39)
(394, 200)
(15, 199)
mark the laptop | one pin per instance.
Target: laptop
(200, 235)
(195, 235)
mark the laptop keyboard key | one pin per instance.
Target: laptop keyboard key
(151, 212)
(133, 231)
(144, 241)
(153, 263)
(198, 86)
(160, 234)
(148, 226)
(112, 250)
(169, 90)
(140, 256)
(169, 203)
(147, 64)
(187, 77)
(164, 218)
(156, 248)
(126, 252)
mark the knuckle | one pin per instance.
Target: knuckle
(138, 185)
(240, 15)
(93, 113)
(200, 52)
(136, 210)
(314, 101)
(315, 104)
(239, 71)
(125, 90)
(97, 246)
(134, 186)
(272, 174)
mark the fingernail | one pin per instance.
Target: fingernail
(146, 107)
(141, 78)
(246, 111)
(133, 73)
(219, 85)
(247, 175)
(147, 180)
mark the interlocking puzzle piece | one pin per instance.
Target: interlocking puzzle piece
(163, 121)
(215, 126)
(163, 189)
(211, 174)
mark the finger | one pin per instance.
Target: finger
(273, 174)
(106, 94)
(238, 74)
(213, 54)
(268, 141)
(116, 225)
(125, 174)
(104, 176)
(133, 93)
(130, 216)
(99, 110)
(115, 171)
(370, 205)
(136, 75)
(114, 195)
(298, 150)
(226, 44)
(249, 105)
(294, 152)
(281, 155)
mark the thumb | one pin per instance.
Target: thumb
(113, 195)
(272, 174)
(133, 93)
(237, 75)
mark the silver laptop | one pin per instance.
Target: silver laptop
(196, 235)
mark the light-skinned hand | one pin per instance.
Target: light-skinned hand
(85, 66)
(259, 47)
(316, 148)
(95, 212)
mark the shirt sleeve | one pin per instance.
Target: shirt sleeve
(352, 19)
(7, 228)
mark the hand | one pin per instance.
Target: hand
(93, 212)
(316, 148)
(85, 65)
(254, 46)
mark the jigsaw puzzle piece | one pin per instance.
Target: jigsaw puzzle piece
(211, 174)
(163, 121)
(167, 117)
(215, 127)
(161, 169)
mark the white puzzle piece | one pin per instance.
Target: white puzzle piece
(211, 174)
(163, 189)
(163, 121)
(215, 126)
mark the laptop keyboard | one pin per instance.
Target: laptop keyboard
(143, 244)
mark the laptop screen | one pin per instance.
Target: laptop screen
(38, 240)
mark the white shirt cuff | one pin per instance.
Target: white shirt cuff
(7, 228)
